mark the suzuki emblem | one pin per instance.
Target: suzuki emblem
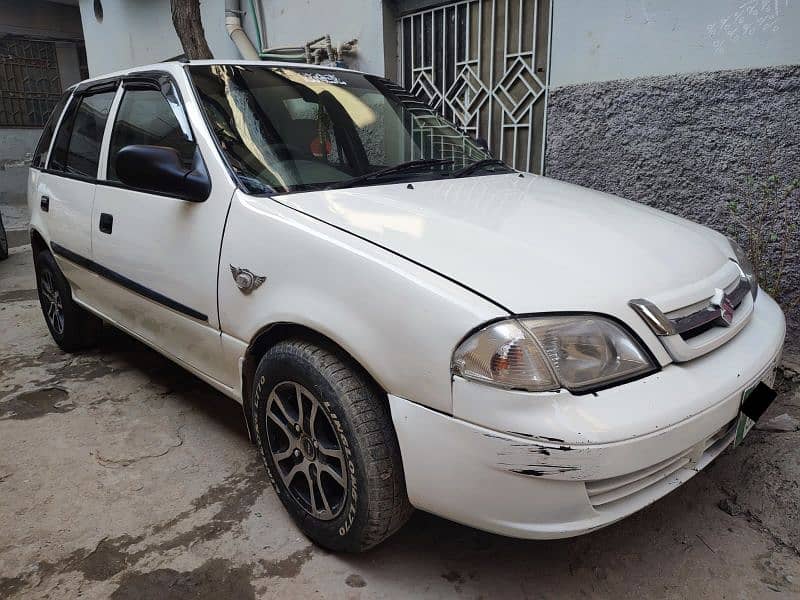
(725, 306)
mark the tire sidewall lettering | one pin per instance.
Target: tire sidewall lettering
(257, 397)
(352, 508)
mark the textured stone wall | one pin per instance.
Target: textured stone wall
(686, 144)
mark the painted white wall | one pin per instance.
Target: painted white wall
(136, 32)
(618, 39)
(291, 22)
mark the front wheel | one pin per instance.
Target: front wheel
(329, 446)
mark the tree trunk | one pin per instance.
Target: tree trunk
(189, 27)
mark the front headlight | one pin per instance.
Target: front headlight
(577, 352)
(747, 267)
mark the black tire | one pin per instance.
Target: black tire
(3, 241)
(75, 328)
(373, 502)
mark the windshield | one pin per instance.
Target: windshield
(288, 128)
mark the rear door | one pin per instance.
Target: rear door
(38, 200)
(159, 254)
(67, 186)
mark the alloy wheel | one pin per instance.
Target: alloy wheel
(53, 306)
(306, 450)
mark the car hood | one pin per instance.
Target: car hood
(533, 244)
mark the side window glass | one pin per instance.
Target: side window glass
(77, 147)
(40, 155)
(146, 118)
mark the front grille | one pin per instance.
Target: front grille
(720, 440)
(708, 315)
(699, 328)
(607, 493)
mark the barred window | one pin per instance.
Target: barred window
(30, 84)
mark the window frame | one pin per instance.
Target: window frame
(68, 116)
(155, 78)
(133, 86)
(68, 94)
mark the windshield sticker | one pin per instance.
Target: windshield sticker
(322, 78)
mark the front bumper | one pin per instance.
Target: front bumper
(557, 465)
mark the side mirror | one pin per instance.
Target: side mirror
(159, 169)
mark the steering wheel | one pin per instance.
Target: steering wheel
(286, 152)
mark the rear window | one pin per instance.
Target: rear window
(77, 146)
(40, 155)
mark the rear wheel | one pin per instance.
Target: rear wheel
(72, 327)
(328, 443)
(3, 241)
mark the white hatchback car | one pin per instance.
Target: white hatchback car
(406, 321)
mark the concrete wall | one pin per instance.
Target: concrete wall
(617, 39)
(48, 21)
(69, 67)
(686, 144)
(677, 104)
(38, 18)
(16, 150)
(135, 32)
(290, 22)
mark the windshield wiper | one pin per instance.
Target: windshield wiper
(478, 165)
(404, 167)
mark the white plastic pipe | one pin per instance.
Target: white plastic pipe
(233, 25)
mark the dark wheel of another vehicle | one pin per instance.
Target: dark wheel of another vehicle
(327, 440)
(72, 327)
(3, 241)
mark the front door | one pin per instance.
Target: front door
(160, 254)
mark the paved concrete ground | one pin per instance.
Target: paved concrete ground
(14, 212)
(121, 475)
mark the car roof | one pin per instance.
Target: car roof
(173, 66)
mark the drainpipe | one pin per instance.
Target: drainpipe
(233, 24)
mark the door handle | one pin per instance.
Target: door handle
(106, 222)
(44, 204)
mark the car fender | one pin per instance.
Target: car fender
(397, 319)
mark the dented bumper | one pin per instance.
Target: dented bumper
(558, 465)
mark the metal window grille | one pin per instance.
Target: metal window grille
(483, 64)
(30, 84)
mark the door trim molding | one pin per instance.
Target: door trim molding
(126, 283)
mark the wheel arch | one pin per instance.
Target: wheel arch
(274, 333)
(37, 243)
